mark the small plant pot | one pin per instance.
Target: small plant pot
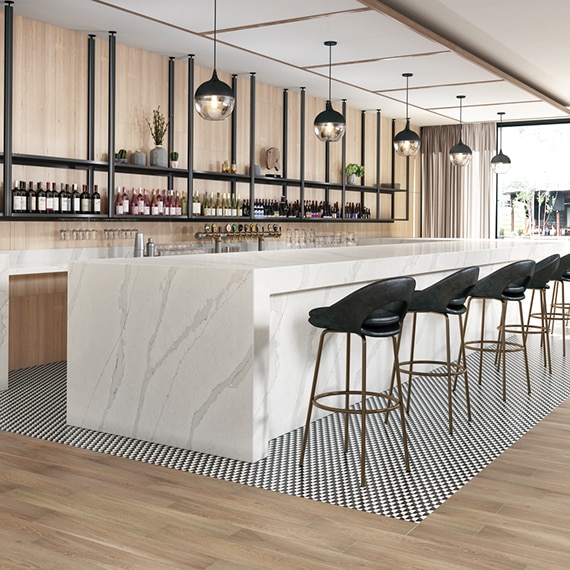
(351, 179)
(173, 164)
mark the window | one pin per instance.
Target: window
(533, 198)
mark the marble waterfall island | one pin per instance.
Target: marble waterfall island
(214, 352)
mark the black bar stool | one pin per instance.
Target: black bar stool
(543, 272)
(376, 310)
(507, 284)
(559, 307)
(446, 297)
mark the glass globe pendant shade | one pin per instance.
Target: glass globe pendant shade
(407, 142)
(214, 100)
(500, 163)
(460, 154)
(329, 124)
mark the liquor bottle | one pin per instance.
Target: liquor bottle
(75, 200)
(146, 200)
(96, 201)
(32, 199)
(119, 202)
(85, 200)
(49, 198)
(153, 204)
(239, 206)
(126, 205)
(160, 200)
(56, 201)
(140, 199)
(177, 204)
(16, 198)
(134, 203)
(41, 198)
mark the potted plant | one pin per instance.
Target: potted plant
(158, 128)
(353, 171)
(121, 156)
(174, 159)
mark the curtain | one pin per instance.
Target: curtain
(456, 201)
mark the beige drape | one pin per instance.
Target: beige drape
(457, 201)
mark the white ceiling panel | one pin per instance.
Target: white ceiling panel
(451, 48)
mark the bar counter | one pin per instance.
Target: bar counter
(214, 352)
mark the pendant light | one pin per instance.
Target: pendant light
(407, 142)
(460, 154)
(501, 163)
(329, 124)
(214, 100)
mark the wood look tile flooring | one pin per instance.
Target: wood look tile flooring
(67, 508)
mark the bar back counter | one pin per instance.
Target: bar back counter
(214, 352)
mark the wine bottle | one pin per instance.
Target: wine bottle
(219, 206)
(41, 198)
(32, 199)
(49, 198)
(119, 202)
(153, 204)
(146, 200)
(24, 198)
(239, 206)
(134, 203)
(140, 199)
(162, 204)
(177, 204)
(56, 201)
(196, 209)
(75, 200)
(184, 205)
(126, 205)
(96, 201)
(64, 199)
(16, 198)
(85, 201)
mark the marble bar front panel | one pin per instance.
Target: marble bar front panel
(214, 352)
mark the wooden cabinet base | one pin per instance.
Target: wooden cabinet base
(38, 319)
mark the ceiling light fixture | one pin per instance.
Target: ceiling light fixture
(329, 124)
(460, 154)
(407, 142)
(214, 100)
(501, 163)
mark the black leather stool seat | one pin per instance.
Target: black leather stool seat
(375, 310)
(507, 284)
(446, 297)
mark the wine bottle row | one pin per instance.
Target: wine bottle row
(141, 202)
(68, 200)
(231, 205)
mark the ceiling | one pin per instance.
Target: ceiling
(508, 55)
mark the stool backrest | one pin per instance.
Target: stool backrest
(563, 268)
(454, 288)
(392, 295)
(543, 272)
(512, 277)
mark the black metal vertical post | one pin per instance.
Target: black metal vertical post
(111, 123)
(363, 143)
(251, 141)
(233, 149)
(378, 154)
(190, 134)
(8, 103)
(91, 107)
(170, 147)
(285, 145)
(393, 155)
(343, 192)
(302, 155)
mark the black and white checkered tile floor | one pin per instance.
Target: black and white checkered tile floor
(34, 405)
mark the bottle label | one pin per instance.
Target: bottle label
(41, 204)
(97, 206)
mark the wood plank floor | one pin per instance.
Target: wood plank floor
(66, 508)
